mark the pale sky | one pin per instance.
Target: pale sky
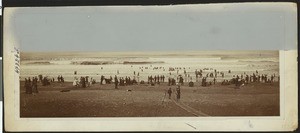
(154, 28)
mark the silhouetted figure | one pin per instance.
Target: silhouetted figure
(181, 80)
(170, 93)
(62, 79)
(28, 88)
(86, 79)
(101, 79)
(82, 81)
(214, 80)
(272, 78)
(204, 83)
(34, 85)
(191, 84)
(116, 82)
(40, 78)
(58, 78)
(178, 93)
(247, 79)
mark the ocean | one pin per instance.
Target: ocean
(144, 64)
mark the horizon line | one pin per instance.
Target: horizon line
(73, 51)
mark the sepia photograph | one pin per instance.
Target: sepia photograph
(149, 84)
(197, 67)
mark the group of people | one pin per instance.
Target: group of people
(236, 79)
(156, 79)
(178, 92)
(210, 74)
(209, 79)
(45, 80)
(83, 82)
(31, 85)
(60, 78)
(124, 81)
(107, 80)
(246, 79)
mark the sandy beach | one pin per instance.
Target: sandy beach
(254, 99)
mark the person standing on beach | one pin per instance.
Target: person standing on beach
(110, 78)
(214, 80)
(75, 82)
(28, 86)
(247, 79)
(62, 79)
(237, 80)
(272, 78)
(101, 79)
(34, 85)
(170, 92)
(151, 79)
(41, 78)
(116, 82)
(87, 79)
(178, 92)
(181, 80)
(83, 82)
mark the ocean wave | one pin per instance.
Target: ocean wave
(142, 62)
(112, 62)
(262, 61)
(92, 62)
(39, 63)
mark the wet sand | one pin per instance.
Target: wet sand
(254, 99)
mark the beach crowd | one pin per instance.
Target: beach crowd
(206, 77)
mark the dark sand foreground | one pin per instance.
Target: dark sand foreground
(255, 99)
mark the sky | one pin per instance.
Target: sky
(154, 28)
